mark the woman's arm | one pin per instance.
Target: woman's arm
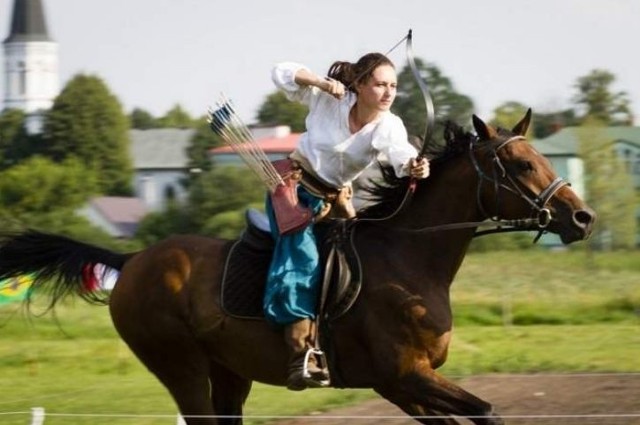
(304, 77)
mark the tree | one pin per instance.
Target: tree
(545, 124)
(223, 189)
(609, 188)
(39, 186)
(448, 104)
(15, 142)
(277, 109)
(507, 114)
(198, 151)
(142, 120)
(596, 100)
(176, 117)
(12, 130)
(87, 122)
(216, 205)
(157, 226)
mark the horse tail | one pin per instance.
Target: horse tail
(56, 264)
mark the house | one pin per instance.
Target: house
(276, 142)
(118, 216)
(563, 149)
(160, 165)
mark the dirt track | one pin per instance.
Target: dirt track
(607, 399)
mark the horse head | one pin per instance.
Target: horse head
(516, 182)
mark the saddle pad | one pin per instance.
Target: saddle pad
(243, 282)
(248, 261)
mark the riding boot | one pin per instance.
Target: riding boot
(298, 338)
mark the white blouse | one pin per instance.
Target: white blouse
(336, 155)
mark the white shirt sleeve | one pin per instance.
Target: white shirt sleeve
(392, 140)
(283, 76)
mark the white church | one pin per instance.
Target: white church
(31, 79)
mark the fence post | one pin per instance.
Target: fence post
(180, 420)
(37, 415)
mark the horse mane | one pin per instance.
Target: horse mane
(385, 195)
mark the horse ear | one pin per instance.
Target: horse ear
(522, 127)
(484, 131)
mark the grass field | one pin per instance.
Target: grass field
(514, 312)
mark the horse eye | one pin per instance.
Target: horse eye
(524, 166)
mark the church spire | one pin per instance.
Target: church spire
(31, 63)
(28, 22)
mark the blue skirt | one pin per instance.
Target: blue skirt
(292, 287)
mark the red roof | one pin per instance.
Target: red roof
(284, 144)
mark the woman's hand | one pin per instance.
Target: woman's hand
(334, 87)
(419, 168)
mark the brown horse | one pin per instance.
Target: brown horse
(166, 304)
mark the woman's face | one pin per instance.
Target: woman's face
(379, 91)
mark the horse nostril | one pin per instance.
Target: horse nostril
(584, 218)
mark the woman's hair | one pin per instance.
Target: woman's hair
(350, 74)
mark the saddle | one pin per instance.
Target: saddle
(245, 272)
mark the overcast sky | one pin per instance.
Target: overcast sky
(154, 54)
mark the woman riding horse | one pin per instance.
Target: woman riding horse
(348, 125)
(167, 304)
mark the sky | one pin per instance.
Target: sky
(154, 54)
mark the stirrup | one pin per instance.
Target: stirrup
(305, 367)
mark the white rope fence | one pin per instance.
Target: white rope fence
(38, 416)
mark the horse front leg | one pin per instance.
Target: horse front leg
(419, 413)
(423, 392)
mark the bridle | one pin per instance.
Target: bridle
(540, 216)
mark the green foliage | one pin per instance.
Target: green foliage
(221, 190)
(550, 348)
(142, 120)
(157, 226)
(597, 101)
(546, 124)
(176, 117)
(541, 287)
(509, 113)
(229, 224)
(87, 122)
(503, 242)
(278, 110)
(609, 187)
(38, 186)
(217, 201)
(201, 143)
(15, 143)
(448, 103)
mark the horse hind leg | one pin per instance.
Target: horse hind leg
(185, 373)
(229, 392)
(172, 354)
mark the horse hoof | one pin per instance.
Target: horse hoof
(494, 419)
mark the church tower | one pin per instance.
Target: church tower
(30, 63)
